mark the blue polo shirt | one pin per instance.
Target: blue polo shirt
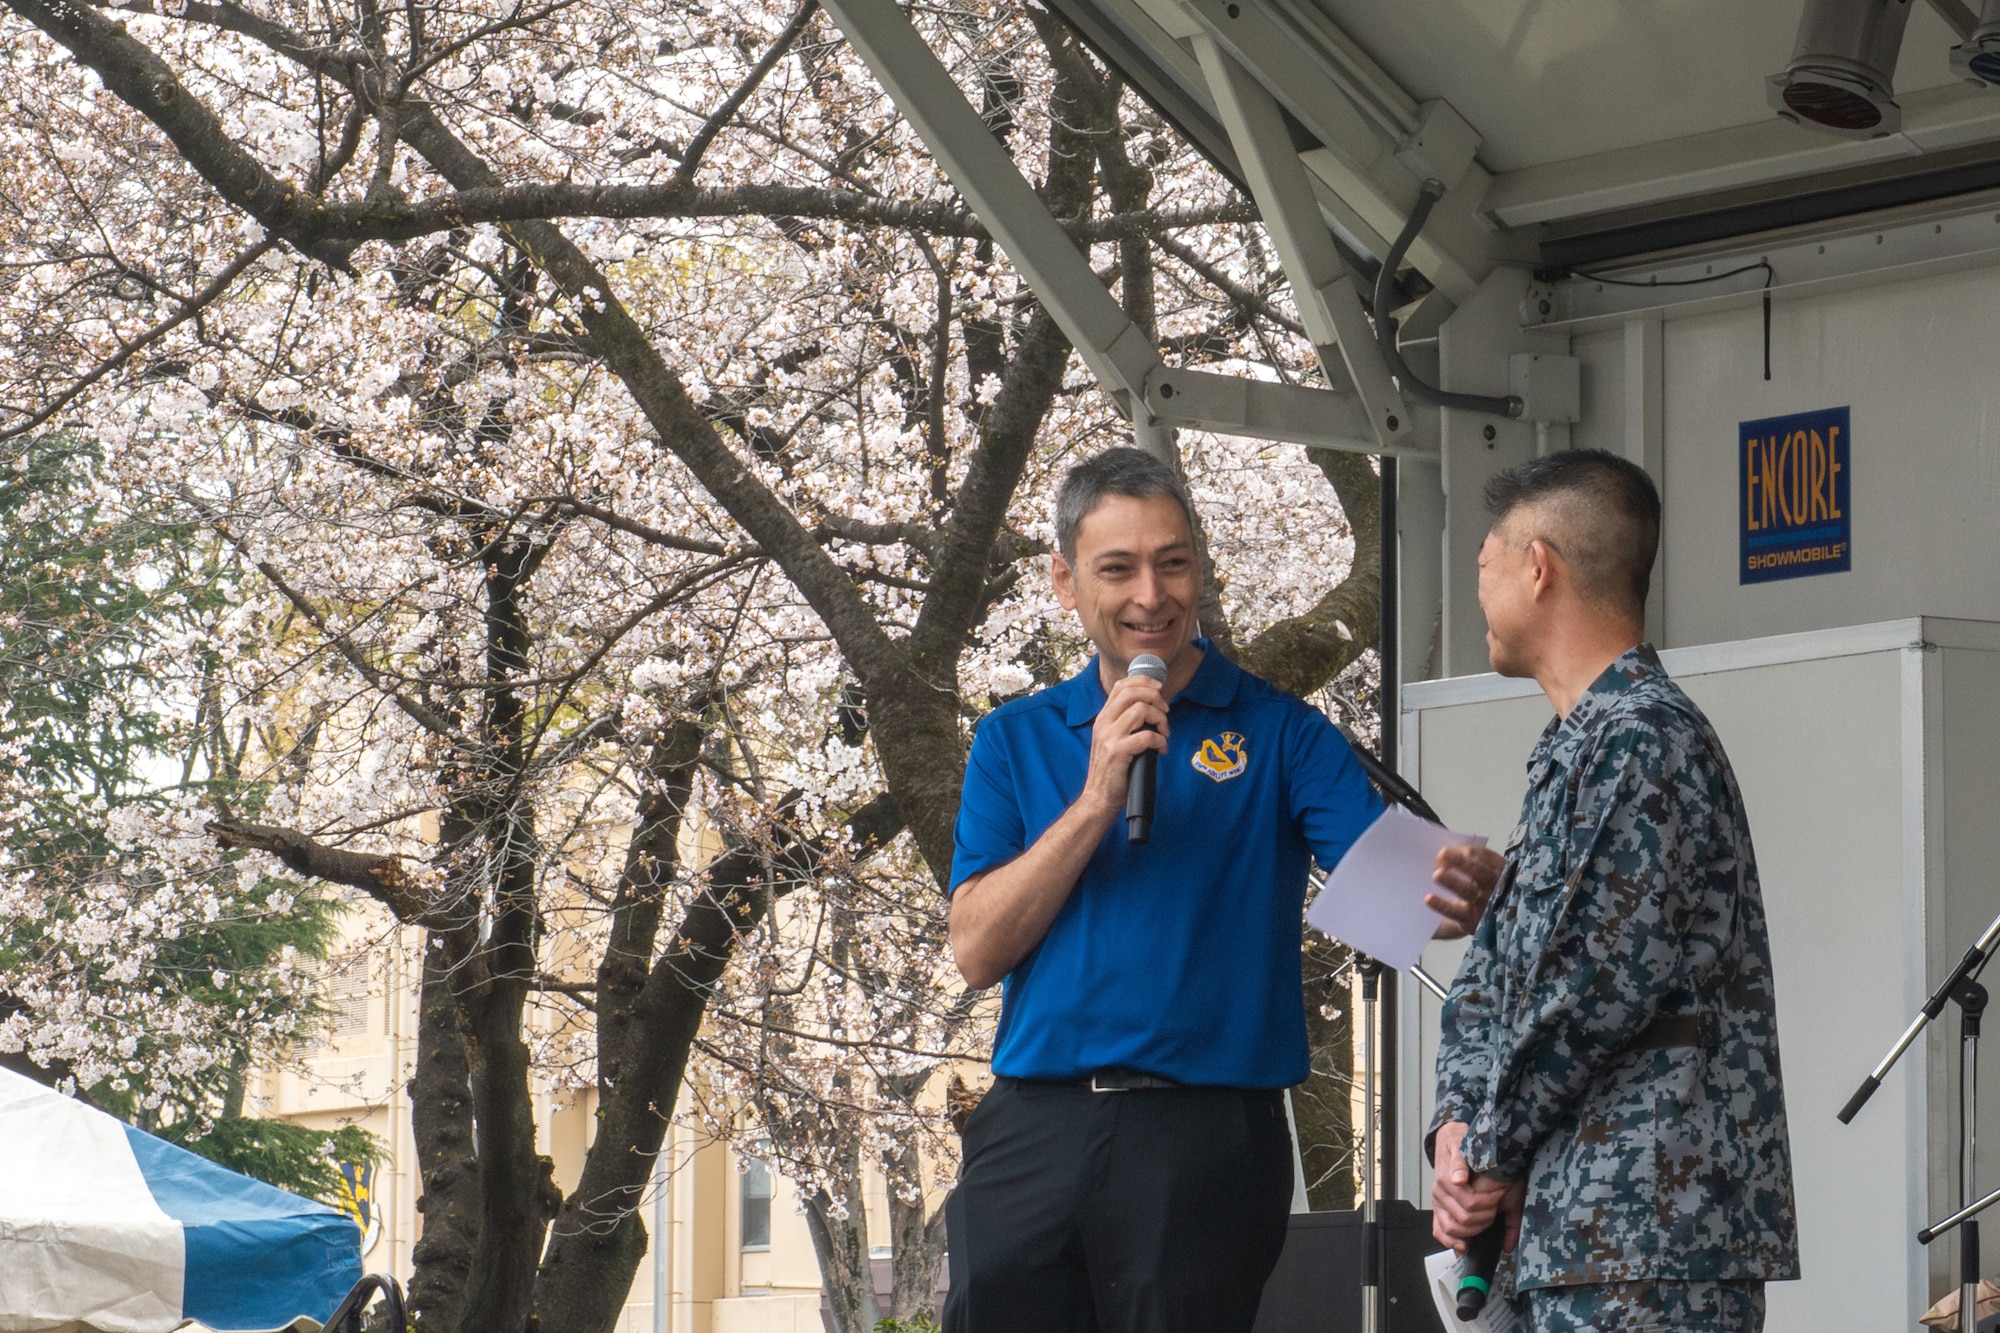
(1180, 957)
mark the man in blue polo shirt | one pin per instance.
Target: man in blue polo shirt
(1130, 1171)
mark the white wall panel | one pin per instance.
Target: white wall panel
(1915, 362)
(1963, 857)
(1816, 749)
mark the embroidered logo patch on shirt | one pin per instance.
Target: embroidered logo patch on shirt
(1222, 757)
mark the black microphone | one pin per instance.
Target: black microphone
(1482, 1256)
(1389, 782)
(1145, 765)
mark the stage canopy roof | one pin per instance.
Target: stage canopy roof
(1607, 130)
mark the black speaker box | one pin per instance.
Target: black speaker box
(1316, 1287)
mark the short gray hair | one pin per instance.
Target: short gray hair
(1121, 471)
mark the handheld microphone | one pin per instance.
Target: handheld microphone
(1145, 766)
(1482, 1256)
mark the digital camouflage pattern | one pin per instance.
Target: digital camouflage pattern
(1630, 1307)
(1612, 1034)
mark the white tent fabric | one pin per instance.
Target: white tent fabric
(106, 1228)
(83, 1241)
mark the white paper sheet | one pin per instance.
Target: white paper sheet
(1374, 899)
(1444, 1269)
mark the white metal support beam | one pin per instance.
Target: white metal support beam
(1316, 418)
(1474, 345)
(1364, 164)
(1157, 397)
(1321, 285)
(1946, 237)
(1114, 348)
(1645, 440)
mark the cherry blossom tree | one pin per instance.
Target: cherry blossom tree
(141, 972)
(639, 465)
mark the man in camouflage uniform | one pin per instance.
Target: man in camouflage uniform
(1608, 1082)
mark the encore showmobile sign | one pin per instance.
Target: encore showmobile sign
(1794, 480)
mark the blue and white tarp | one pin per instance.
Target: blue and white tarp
(105, 1227)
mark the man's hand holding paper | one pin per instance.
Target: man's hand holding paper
(1469, 870)
(1383, 899)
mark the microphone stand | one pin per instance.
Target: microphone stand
(1962, 988)
(1970, 997)
(1373, 1316)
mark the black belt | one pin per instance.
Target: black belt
(1671, 1030)
(1123, 1080)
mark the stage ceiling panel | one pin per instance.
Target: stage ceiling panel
(1547, 80)
(1608, 129)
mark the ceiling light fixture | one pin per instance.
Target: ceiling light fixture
(1977, 59)
(1841, 78)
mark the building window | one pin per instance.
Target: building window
(347, 997)
(756, 1204)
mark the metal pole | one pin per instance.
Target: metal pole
(1388, 647)
(1388, 633)
(1968, 968)
(1371, 1275)
(1931, 1233)
(1971, 997)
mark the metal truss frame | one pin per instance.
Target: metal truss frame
(1376, 145)
(1156, 397)
(1323, 288)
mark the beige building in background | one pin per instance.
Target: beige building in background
(737, 1255)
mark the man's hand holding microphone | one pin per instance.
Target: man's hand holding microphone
(1475, 1216)
(998, 916)
(1139, 791)
(1126, 743)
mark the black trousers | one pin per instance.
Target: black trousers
(1160, 1210)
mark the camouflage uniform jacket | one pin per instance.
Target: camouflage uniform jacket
(1612, 1035)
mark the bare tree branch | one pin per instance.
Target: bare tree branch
(381, 876)
(697, 146)
(416, 709)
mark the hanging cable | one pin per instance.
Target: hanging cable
(1770, 276)
(1385, 323)
(1764, 264)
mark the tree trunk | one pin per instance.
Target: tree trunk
(599, 1238)
(916, 731)
(1322, 1105)
(916, 1241)
(516, 1184)
(447, 1162)
(846, 1275)
(593, 1256)
(495, 963)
